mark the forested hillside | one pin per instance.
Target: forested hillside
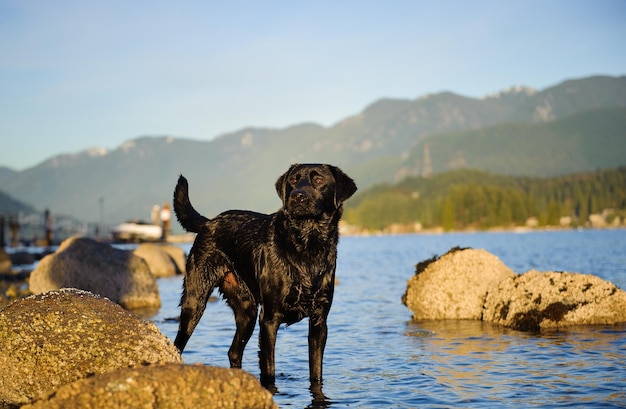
(579, 143)
(468, 199)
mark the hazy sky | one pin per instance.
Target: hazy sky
(80, 74)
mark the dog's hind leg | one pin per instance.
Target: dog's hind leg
(245, 309)
(201, 278)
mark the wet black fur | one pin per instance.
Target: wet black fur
(283, 262)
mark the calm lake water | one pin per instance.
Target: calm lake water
(377, 358)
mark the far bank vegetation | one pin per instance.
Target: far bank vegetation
(476, 200)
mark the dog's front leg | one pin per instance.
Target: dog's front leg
(318, 332)
(269, 324)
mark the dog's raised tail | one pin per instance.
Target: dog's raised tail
(187, 216)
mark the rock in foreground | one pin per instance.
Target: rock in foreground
(539, 300)
(455, 285)
(48, 340)
(164, 386)
(84, 263)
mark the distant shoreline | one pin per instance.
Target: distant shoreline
(352, 232)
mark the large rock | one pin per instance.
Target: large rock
(539, 300)
(164, 260)
(455, 285)
(48, 340)
(97, 267)
(178, 256)
(164, 386)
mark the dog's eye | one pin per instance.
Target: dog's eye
(293, 180)
(318, 180)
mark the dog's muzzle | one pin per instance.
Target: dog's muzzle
(298, 196)
(300, 204)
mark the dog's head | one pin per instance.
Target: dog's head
(309, 190)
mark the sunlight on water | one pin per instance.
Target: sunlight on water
(376, 357)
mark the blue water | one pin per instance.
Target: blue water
(377, 358)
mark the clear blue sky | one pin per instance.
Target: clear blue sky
(81, 74)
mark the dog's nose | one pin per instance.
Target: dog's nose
(298, 195)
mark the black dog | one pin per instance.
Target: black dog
(284, 262)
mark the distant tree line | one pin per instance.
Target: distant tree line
(469, 199)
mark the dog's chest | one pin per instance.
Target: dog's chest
(307, 295)
(298, 304)
(300, 296)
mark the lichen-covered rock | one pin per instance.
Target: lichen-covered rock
(166, 386)
(51, 339)
(455, 285)
(84, 263)
(164, 260)
(539, 300)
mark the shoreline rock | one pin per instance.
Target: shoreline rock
(164, 260)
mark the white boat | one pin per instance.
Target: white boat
(135, 231)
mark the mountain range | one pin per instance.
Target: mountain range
(575, 126)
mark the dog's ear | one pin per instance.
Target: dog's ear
(281, 185)
(344, 185)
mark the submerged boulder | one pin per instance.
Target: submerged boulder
(540, 300)
(454, 286)
(51, 339)
(164, 386)
(84, 263)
